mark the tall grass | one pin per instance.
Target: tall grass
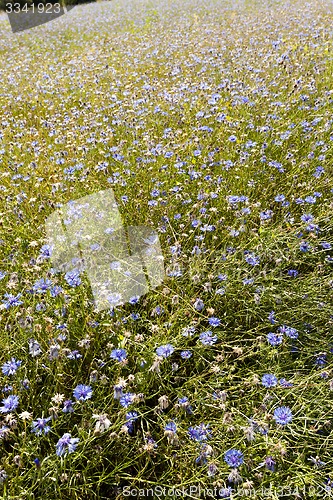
(212, 122)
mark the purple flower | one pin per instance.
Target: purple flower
(293, 273)
(10, 367)
(74, 355)
(200, 432)
(271, 317)
(186, 354)
(68, 406)
(274, 338)
(126, 399)
(234, 458)
(12, 300)
(270, 463)
(283, 415)
(40, 426)
(55, 291)
(9, 404)
(199, 305)
(285, 383)
(118, 354)
(66, 444)
(304, 246)
(214, 321)
(171, 427)
(207, 338)
(34, 348)
(82, 392)
(269, 380)
(165, 350)
(46, 251)
(307, 218)
(73, 277)
(292, 333)
(42, 285)
(252, 259)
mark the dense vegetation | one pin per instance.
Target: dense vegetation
(212, 123)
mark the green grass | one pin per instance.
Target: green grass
(77, 87)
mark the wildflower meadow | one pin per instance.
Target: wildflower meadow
(212, 123)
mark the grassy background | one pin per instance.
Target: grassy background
(108, 80)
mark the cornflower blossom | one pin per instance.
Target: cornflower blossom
(82, 392)
(66, 444)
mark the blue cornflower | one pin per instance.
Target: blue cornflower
(9, 404)
(283, 415)
(74, 355)
(232, 138)
(234, 458)
(269, 380)
(66, 444)
(233, 199)
(252, 259)
(42, 285)
(186, 354)
(131, 416)
(274, 338)
(199, 305)
(225, 492)
(293, 273)
(165, 350)
(73, 277)
(10, 367)
(284, 383)
(126, 399)
(55, 290)
(68, 406)
(118, 354)
(12, 300)
(271, 317)
(7, 388)
(82, 392)
(319, 170)
(270, 463)
(46, 251)
(214, 321)
(307, 218)
(292, 333)
(4, 430)
(2, 274)
(266, 215)
(248, 281)
(207, 338)
(310, 199)
(326, 245)
(279, 198)
(40, 426)
(200, 432)
(171, 427)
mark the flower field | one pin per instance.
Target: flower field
(212, 122)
